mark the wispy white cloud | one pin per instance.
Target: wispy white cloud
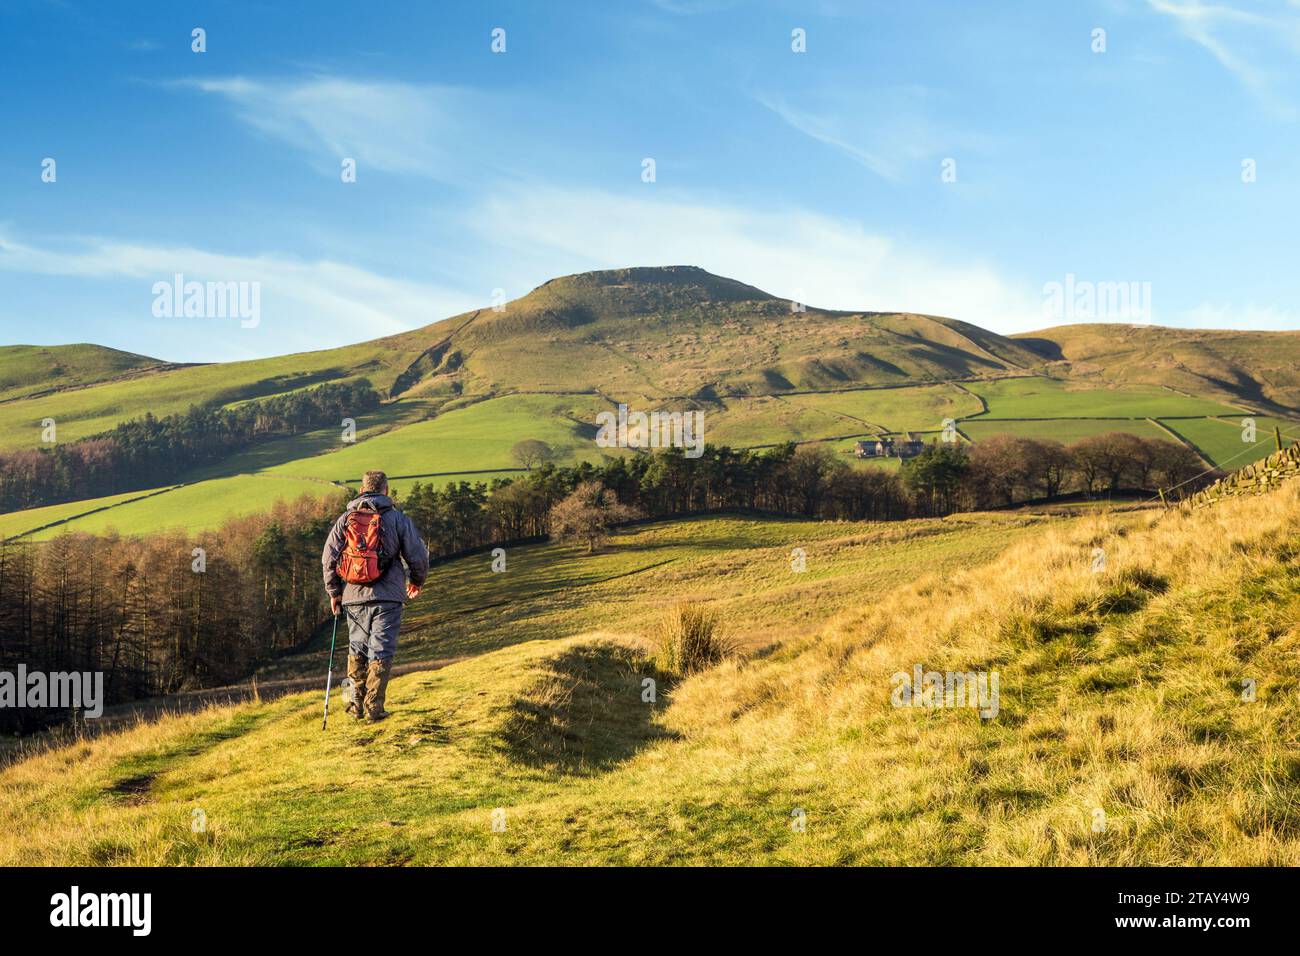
(388, 126)
(304, 303)
(1209, 315)
(891, 132)
(1256, 45)
(827, 130)
(801, 255)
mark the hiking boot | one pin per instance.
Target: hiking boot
(357, 674)
(376, 687)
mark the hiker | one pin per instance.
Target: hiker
(364, 578)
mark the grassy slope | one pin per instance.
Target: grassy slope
(194, 507)
(1257, 368)
(922, 408)
(469, 443)
(27, 369)
(62, 516)
(1052, 398)
(97, 408)
(651, 337)
(740, 564)
(476, 437)
(1061, 429)
(676, 331)
(1221, 439)
(1120, 691)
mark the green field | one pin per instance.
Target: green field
(197, 507)
(474, 438)
(1119, 693)
(1220, 439)
(921, 408)
(1065, 430)
(21, 522)
(771, 420)
(1040, 397)
(194, 507)
(80, 412)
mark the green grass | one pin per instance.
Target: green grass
(1051, 398)
(98, 408)
(473, 438)
(921, 408)
(190, 507)
(21, 522)
(1065, 430)
(739, 565)
(1120, 692)
(770, 420)
(388, 417)
(1220, 439)
(197, 507)
(27, 369)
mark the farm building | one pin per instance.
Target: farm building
(887, 447)
(909, 447)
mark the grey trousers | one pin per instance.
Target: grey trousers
(372, 629)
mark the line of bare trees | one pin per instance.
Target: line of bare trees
(1006, 469)
(163, 612)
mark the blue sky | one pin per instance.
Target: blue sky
(814, 175)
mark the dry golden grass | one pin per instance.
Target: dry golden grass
(689, 638)
(1121, 692)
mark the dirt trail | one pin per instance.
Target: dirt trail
(123, 716)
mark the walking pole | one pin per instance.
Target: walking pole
(329, 674)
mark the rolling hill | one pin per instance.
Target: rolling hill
(460, 392)
(28, 371)
(1259, 369)
(1123, 735)
(634, 334)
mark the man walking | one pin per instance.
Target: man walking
(362, 562)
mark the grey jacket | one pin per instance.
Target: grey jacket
(399, 538)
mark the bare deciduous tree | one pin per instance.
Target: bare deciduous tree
(531, 452)
(588, 514)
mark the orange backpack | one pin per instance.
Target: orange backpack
(363, 560)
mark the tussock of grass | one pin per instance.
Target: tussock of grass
(689, 638)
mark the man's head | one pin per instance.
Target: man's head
(374, 483)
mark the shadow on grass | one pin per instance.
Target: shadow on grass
(133, 777)
(588, 713)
